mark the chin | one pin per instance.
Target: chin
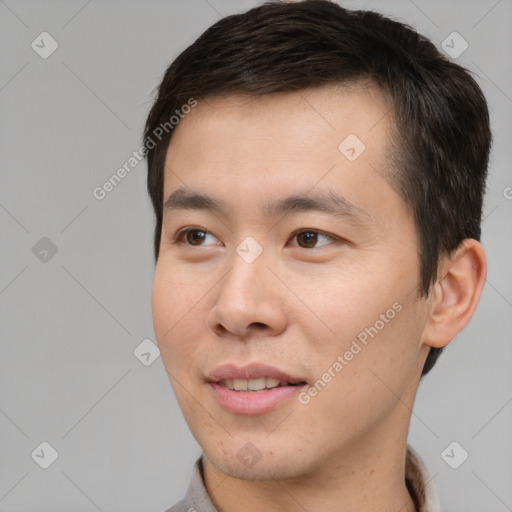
(251, 463)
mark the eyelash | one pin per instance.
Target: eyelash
(183, 232)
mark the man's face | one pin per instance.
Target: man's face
(327, 298)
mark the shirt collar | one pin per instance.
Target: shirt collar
(419, 483)
(417, 479)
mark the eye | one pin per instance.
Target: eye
(192, 236)
(309, 238)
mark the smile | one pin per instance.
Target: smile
(259, 384)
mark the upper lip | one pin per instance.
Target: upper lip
(251, 371)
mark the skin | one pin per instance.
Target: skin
(298, 308)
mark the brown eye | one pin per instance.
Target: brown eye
(308, 239)
(192, 236)
(195, 236)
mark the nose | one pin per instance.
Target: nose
(248, 302)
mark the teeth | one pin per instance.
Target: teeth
(256, 384)
(240, 384)
(272, 383)
(252, 384)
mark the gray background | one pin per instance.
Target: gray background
(70, 321)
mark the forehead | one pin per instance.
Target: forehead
(330, 138)
(302, 115)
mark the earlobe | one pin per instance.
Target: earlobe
(455, 295)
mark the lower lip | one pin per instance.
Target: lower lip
(253, 402)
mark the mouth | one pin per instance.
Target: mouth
(252, 389)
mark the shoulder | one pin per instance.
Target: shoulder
(196, 498)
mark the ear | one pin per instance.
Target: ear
(455, 295)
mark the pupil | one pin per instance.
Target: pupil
(195, 236)
(309, 238)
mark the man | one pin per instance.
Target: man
(317, 176)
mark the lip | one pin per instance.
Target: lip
(252, 402)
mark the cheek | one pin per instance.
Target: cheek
(359, 323)
(336, 304)
(373, 363)
(173, 304)
(358, 386)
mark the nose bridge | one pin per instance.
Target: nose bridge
(249, 273)
(246, 297)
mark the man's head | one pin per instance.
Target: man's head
(287, 106)
(441, 131)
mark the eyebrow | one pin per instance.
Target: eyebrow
(326, 202)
